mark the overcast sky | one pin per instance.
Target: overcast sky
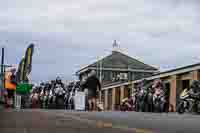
(72, 33)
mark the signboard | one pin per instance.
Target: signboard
(23, 88)
(79, 101)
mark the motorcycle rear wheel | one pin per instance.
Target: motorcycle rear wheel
(60, 103)
(181, 108)
(156, 107)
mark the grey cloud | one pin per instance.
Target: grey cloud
(72, 33)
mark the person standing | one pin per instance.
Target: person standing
(93, 85)
(10, 86)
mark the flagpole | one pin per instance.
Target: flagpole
(100, 77)
(2, 72)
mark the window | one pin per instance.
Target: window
(147, 74)
(114, 75)
(138, 75)
(107, 75)
(123, 76)
(110, 99)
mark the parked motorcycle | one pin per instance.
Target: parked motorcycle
(144, 97)
(46, 96)
(141, 100)
(158, 102)
(35, 101)
(69, 96)
(190, 99)
(185, 102)
(59, 93)
(159, 99)
(189, 102)
(51, 100)
(150, 104)
(127, 104)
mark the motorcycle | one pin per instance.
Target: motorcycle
(127, 104)
(189, 102)
(52, 100)
(45, 103)
(185, 102)
(158, 101)
(59, 93)
(71, 99)
(141, 100)
(66, 98)
(35, 102)
(150, 100)
(44, 99)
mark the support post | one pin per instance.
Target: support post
(173, 93)
(195, 75)
(113, 98)
(121, 93)
(106, 100)
(2, 73)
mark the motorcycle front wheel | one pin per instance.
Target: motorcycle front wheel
(60, 103)
(156, 107)
(181, 108)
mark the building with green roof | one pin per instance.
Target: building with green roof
(118, 67)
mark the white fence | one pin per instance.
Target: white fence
(17, 101)
(79, 101)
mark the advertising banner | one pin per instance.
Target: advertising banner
(28, 62)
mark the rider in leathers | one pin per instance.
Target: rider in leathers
(159, 93)
(158, 88)
(195, 89)
(59, 91)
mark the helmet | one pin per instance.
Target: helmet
(53, 81)
(158, 83)
(195, 84)
(13, 70)
(42, 84)
(47, 84)
(58, 80)
(93, 72)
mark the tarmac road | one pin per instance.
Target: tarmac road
(60, 121)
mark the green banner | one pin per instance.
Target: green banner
(24, 88)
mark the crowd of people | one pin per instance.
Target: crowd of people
(147, 97)
(54, 94)
(49, 94)
(58, 95)
(154, 97)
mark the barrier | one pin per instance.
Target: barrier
(79, 101)
(18, 102)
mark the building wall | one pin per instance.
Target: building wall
(139, 75)
(174, 82)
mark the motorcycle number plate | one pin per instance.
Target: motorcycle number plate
(185, 104)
